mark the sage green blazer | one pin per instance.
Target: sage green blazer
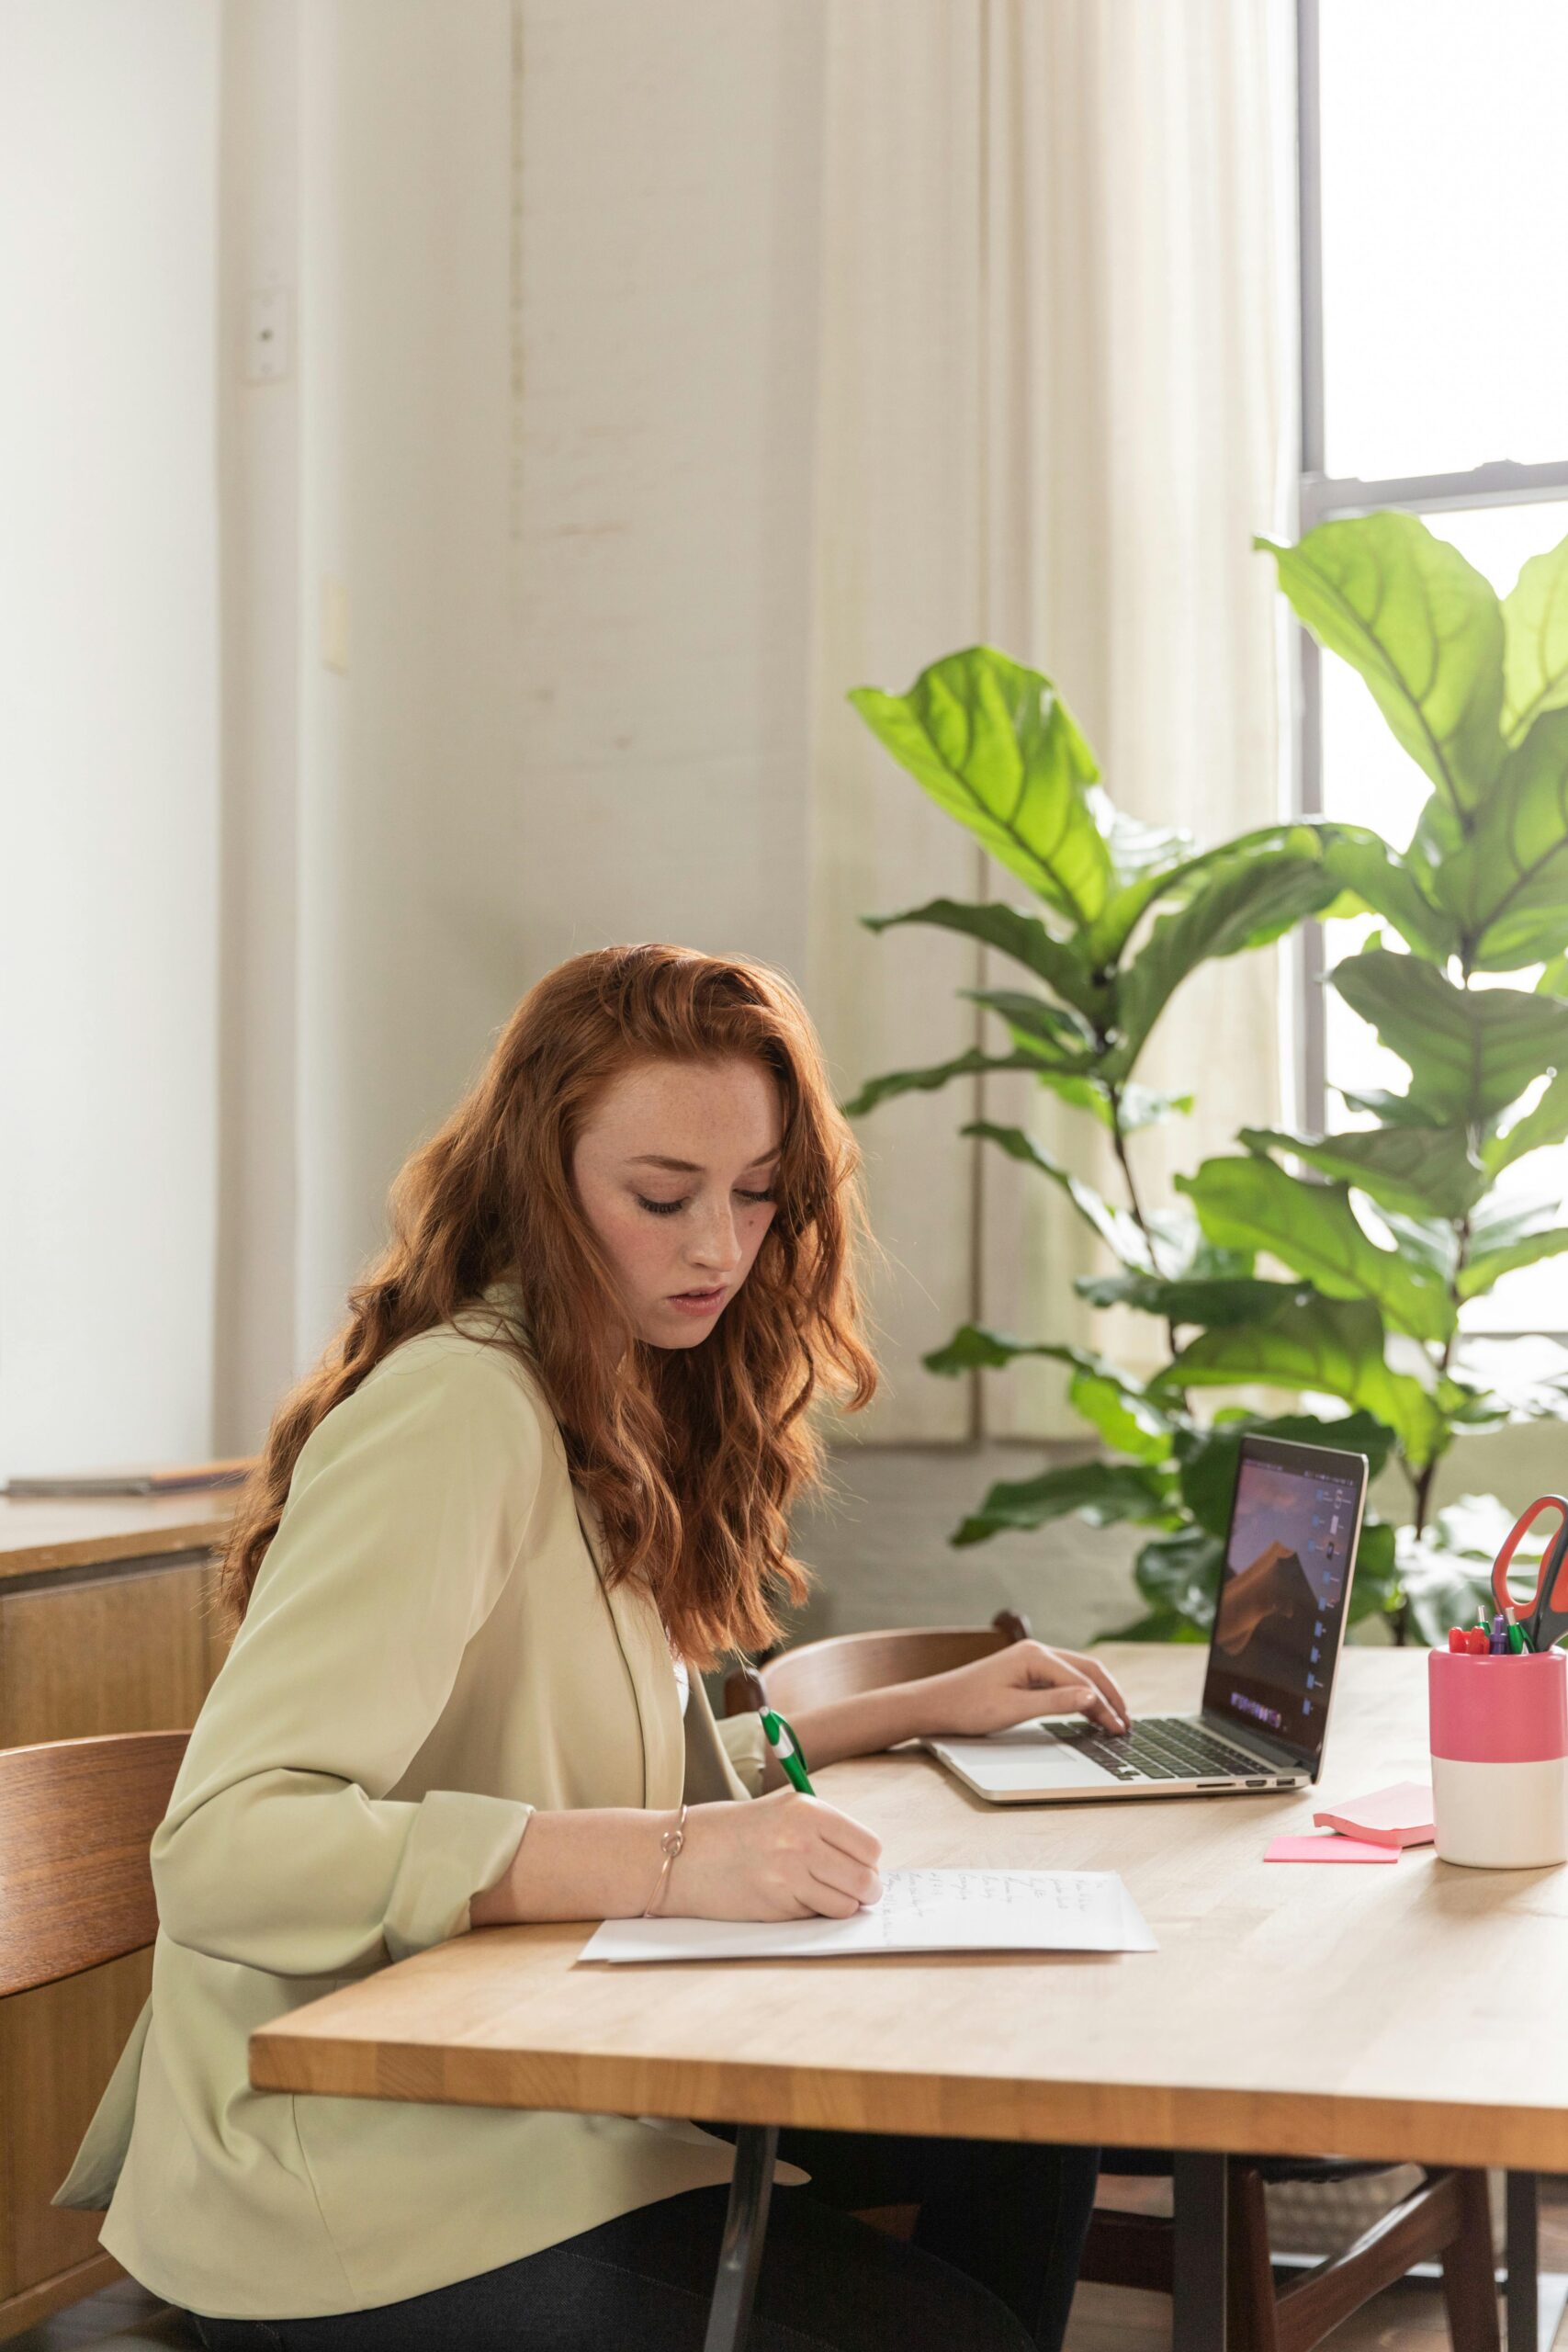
(430, 1652)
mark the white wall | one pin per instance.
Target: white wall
(108, 751)
(556, 301)
(259, 437)
(669, 198)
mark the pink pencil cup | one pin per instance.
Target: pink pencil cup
(1499, 1758)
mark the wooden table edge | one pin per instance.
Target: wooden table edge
(124, 1544)
(1193, 2116)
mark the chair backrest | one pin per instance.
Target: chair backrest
(847, 1663)
(76, 1819)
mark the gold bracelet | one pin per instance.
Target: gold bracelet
(669, 1845)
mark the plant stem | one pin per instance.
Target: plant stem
(1119, 1145)
(1422, 1485)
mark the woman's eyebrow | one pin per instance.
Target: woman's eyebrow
(693, 1167)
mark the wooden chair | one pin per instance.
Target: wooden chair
(77, 1820)
(846, 1664)
(1446, 2218)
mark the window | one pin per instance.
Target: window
(1434, 181)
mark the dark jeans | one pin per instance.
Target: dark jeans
(991, 2268)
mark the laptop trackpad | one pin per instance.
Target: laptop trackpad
(1024, 1761)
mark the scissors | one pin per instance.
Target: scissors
(1547, 1618)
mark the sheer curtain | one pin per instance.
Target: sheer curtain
(1055, 402)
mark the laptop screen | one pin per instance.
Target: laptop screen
(1281, 1603)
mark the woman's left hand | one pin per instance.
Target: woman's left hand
(1013, 1686)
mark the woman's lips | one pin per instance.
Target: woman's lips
(698, 1302)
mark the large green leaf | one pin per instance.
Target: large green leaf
(1311, 1228)
(1426, 1171)
(1393, 1110)
(1240, 906)
(1547, 1123)
(1507, 884)
(974, 1348)
(1383, 883)
(1037, 1026)
(1331, 1346)
(1209, 1457)
(1104, 1493)
(1441, 1587)
(994, 745)
(1128, 1420)
(1427, 1241)
(926, 1082)
(1507, 1232)
(1181, 1573)
(1422, 627)
(1058, 962)
(1535, 642)
(1374, 1579)
(1471, 1051)
(1105, 941)
(1214, 1301)
(1116, 1406)
(1136, 849)
(1490, 1380)
(1116, 1228)
(1128, 1106)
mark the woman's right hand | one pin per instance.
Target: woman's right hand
(781, 1857)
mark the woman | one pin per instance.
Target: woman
(540, 1480)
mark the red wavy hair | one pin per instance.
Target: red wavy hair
(692, 1456)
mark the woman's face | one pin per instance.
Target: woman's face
(674, 1169)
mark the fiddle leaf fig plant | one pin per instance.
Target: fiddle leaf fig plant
(1334, 1269)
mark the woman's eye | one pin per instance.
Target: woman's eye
(669, 1208)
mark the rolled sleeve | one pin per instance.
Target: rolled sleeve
(745, 1742)
(284, 1848)
(458, 1845)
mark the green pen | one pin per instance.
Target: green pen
(786, 1747)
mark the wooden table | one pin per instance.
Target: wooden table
(1366, 2011)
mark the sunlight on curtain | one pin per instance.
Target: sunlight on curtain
(1057, 399)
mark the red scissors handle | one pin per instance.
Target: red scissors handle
(1539, 1599)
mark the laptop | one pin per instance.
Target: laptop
(1294, 1522)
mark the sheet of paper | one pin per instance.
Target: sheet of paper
(1401, 1815)
(1326, 1846)
(920, 1911)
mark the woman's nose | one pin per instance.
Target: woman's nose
(714, 1242)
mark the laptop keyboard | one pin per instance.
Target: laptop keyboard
(1163, 1748)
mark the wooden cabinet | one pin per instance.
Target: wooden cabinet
(126, 1650)
(106, 1626)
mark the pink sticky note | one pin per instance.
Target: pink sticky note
(1401, 1815)
(1327, 1847)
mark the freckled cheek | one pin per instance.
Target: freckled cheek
(753, 1233)
(639, 1244)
